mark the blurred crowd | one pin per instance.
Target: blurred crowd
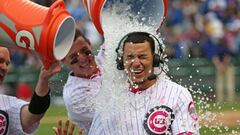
(195, 27)
(192, 28)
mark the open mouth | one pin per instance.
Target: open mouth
(84, 65)
(137, 72)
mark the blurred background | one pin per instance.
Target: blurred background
(202, 40)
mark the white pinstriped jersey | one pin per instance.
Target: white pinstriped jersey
(10, 122)
(153, 110)
(78, 95)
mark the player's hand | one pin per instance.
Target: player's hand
(54, 68)
(68, 129)
(44, 76)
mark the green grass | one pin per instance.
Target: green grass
(219, 130)
(50, 119)
(56, 111)
(45, 129)
(225, 106)
(218, 106)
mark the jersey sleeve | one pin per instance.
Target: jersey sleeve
(79, 97)
(186, 120)
(97, 126)
(13, 108)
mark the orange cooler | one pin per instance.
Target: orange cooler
(48, 31)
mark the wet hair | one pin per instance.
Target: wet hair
(139, 37)
(78, 33)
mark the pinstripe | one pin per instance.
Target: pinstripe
(137, 118)
(121, 124)
(102, 132)
(109, 127)
(176, 99)
(186, 95)
(142, 118)
(98, 127)
(96, 124)
(116, 127)
(169, 96)
(160, 93)
(131, 116)
(178, 109)
(126, 122)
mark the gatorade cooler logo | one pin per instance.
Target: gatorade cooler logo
(3, 123)
(158, 120)
(25, 39)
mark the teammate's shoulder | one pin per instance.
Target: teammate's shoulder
(171, 82)
(74, 81)
(11, 101)
(2, 96)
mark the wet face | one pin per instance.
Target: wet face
(80, 59)
(138, 62)
(4, 63)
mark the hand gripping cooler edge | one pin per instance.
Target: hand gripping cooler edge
(48, 31)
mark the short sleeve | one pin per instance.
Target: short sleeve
(186, 120)
(78, 95)
(13, 108)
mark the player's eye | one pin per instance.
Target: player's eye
(130, 57)
(74, 61)
(143, 57)
(88, 53)
(74, 58)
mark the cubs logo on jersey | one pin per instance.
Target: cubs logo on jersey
(3, 123)
(158, 120)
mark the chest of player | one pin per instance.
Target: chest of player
(142, 118)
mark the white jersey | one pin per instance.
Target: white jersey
(79, 94)
(166, 108)
(10, 122)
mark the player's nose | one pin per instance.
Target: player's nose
(82, 58)
(136, 62)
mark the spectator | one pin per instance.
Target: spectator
(24, 91)
(216, 49)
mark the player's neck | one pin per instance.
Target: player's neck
(89, 75)
(142, 86)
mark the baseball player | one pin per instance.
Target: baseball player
(18, 117)
(165, 107)
(84, 81)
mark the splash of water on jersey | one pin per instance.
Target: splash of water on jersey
(114, 93)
